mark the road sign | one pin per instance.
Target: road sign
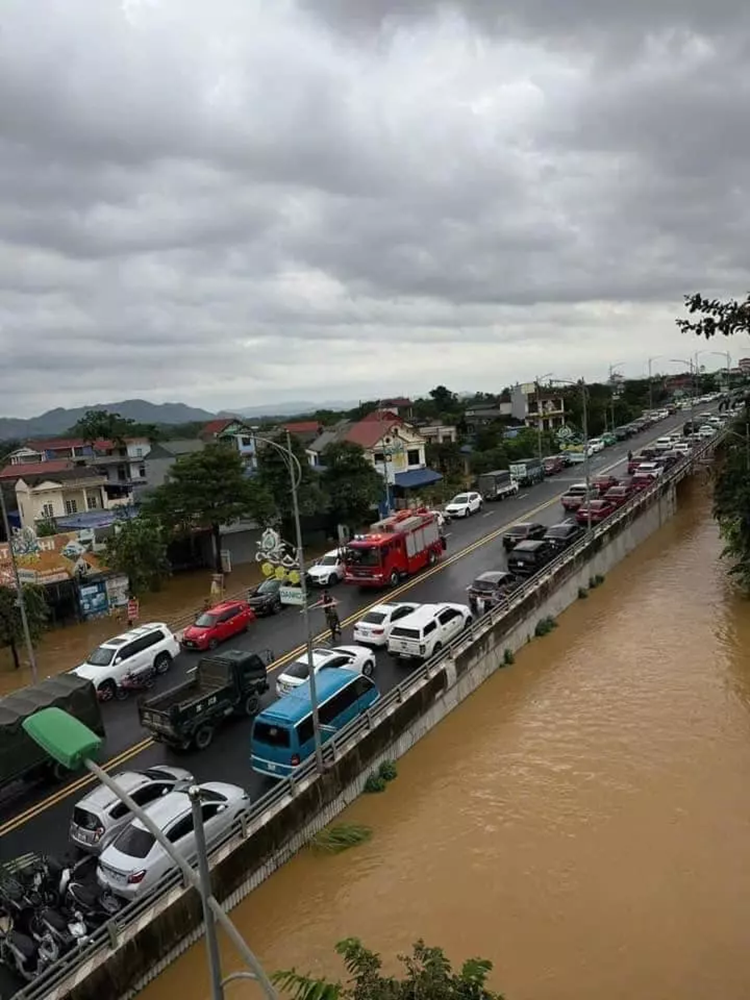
(133, 610)
(291, 595)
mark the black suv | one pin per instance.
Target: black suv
(528, 557)
(560, 536)
(528, 531)
(491, 588)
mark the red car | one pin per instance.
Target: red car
(600, 509)
(218, 624)
(604, 483)
(618, 495)
(553, 464)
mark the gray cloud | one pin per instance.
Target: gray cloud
(241, 202)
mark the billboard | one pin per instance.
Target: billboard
(55, 559)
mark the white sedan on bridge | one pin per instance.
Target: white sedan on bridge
(374, 628)
(357, 658)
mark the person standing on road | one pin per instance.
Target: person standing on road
(630, 455)
(332, 616)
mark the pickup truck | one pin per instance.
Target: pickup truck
(496, 485)
(221, 686)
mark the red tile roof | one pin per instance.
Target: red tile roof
(55, 444)
(35, 469)
(303, 427)
(400, 402)
(369, 431)
(214, 427)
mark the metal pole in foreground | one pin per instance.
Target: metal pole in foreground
(305, 609)
(257, 971)
(585, 417)
(539, 422)
(19, 590)
(212, 943)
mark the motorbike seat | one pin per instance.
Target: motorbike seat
(54, 919)
(88, 898)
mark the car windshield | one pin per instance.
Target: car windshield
(134, 841)
(487, 585)
(461, 498)
(330, 560)
(518, 529)
(298, 669)
(205, 621)
(365, 555)
(101, 657)
(559, 531)
(374, 617)
(269, 587)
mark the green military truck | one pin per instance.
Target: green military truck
(222, 686)
(21, 759)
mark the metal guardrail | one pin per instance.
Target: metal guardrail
(106, 938)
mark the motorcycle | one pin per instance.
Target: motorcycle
(23, 955)
(62, 887)
(67, 931)
(142, 679)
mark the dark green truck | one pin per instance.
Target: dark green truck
(222, 686)
(21, 759)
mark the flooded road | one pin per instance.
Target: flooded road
(582, 820)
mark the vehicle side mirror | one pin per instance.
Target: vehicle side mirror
(118, 659)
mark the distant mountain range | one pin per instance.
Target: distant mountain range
(58, 421)
(55, 422)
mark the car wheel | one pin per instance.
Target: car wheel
(252, 705)
(276, 607)
(106, 690)
(203, 737)
(213, 644)
(162, 663)
(368, 668)
(435, 649)
(332, 580)
(468, 622)
(431, 558)
(393, 579)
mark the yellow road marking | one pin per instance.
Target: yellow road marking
(130, 752)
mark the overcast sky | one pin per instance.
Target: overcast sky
(236, 202)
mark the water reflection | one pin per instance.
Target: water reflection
(582, 820)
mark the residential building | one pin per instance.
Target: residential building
(538, 406)
(120, 461)
(393, 446)
(439, 433)
(162, 457)
(401, 406)
(306, 431)
(235, 432)
(44, 495)
(743, 366)
(479, 417)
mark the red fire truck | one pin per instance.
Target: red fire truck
(395, 547)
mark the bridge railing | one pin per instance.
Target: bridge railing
(109, 936)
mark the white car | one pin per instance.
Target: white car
(595, 445)
(375, 627)
(427, 630)
(328, 570)
(464, 504)
(706, 431)
(355, 658)
(148, 646)
(134, 862)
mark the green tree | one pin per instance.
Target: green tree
(46, 528)
(273, 480)
(98, 425)
(427, 974)
(350, 483)
(445, 400)
(715, 316)
(731, 500)
(445, 457)
(11, 625)
(138, 548)
(206, 489)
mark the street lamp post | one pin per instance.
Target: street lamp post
(689, 363)
(650, 382)
(295, 476)
(719, 354)
(74, 745)
(581, 384)
(20, 598)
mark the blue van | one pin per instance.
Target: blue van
(283, 733)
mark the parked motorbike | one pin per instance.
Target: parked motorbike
(61, 887)
(23, 955)
(67, 931)
(141, 679)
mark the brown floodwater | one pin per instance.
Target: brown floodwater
(582, 820)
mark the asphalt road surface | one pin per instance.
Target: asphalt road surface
(38, 821)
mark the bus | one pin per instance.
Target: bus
(282, 736)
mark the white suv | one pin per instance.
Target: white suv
(464, 504)
(153, 645)
(328, 570)
(427, 630)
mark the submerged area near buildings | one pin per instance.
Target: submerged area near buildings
(581, 820)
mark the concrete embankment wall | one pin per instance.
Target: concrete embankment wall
(174, 922)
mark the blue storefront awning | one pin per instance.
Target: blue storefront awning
(416, 477)
(95, 518)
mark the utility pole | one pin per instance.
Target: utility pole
(585, 420)
(305, 610)
(204, 878)
(20, 598)
(539, 421)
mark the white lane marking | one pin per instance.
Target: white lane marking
(489, 513)
(522, 496)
